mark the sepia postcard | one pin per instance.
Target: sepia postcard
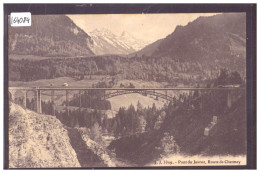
(152, 88)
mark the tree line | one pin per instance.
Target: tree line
(160, 69)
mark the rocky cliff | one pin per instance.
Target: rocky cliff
(38, 141)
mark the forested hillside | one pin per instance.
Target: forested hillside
(223, 33)
(162, 69)
(182, 131)
(218, 40)
(49, 35)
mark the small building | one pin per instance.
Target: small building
(211, 125)
(206, 131)
(65, 84)
(215, 119)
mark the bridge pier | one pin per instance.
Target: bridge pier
(201, 100)
(79, 99)
(229, 99)
(25, 99)
(52, 102)
(67, 102)
(11, 95)
(39, 101)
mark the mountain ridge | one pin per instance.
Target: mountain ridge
(49, 35)
(199, 38)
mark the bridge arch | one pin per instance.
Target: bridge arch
(142, 92)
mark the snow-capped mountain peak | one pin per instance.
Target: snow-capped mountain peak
(125, 34)
(101, 31)
(106, 42)
(137, 44)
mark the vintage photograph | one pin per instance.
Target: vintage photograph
(127, 90)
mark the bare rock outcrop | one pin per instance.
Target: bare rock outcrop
(38, 141)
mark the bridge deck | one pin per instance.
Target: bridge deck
(127, 89)
(118, 91)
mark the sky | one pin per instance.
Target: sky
(148, 27)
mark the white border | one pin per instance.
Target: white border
(110, 1)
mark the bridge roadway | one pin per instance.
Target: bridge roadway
(118, 91)
(82, 88)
